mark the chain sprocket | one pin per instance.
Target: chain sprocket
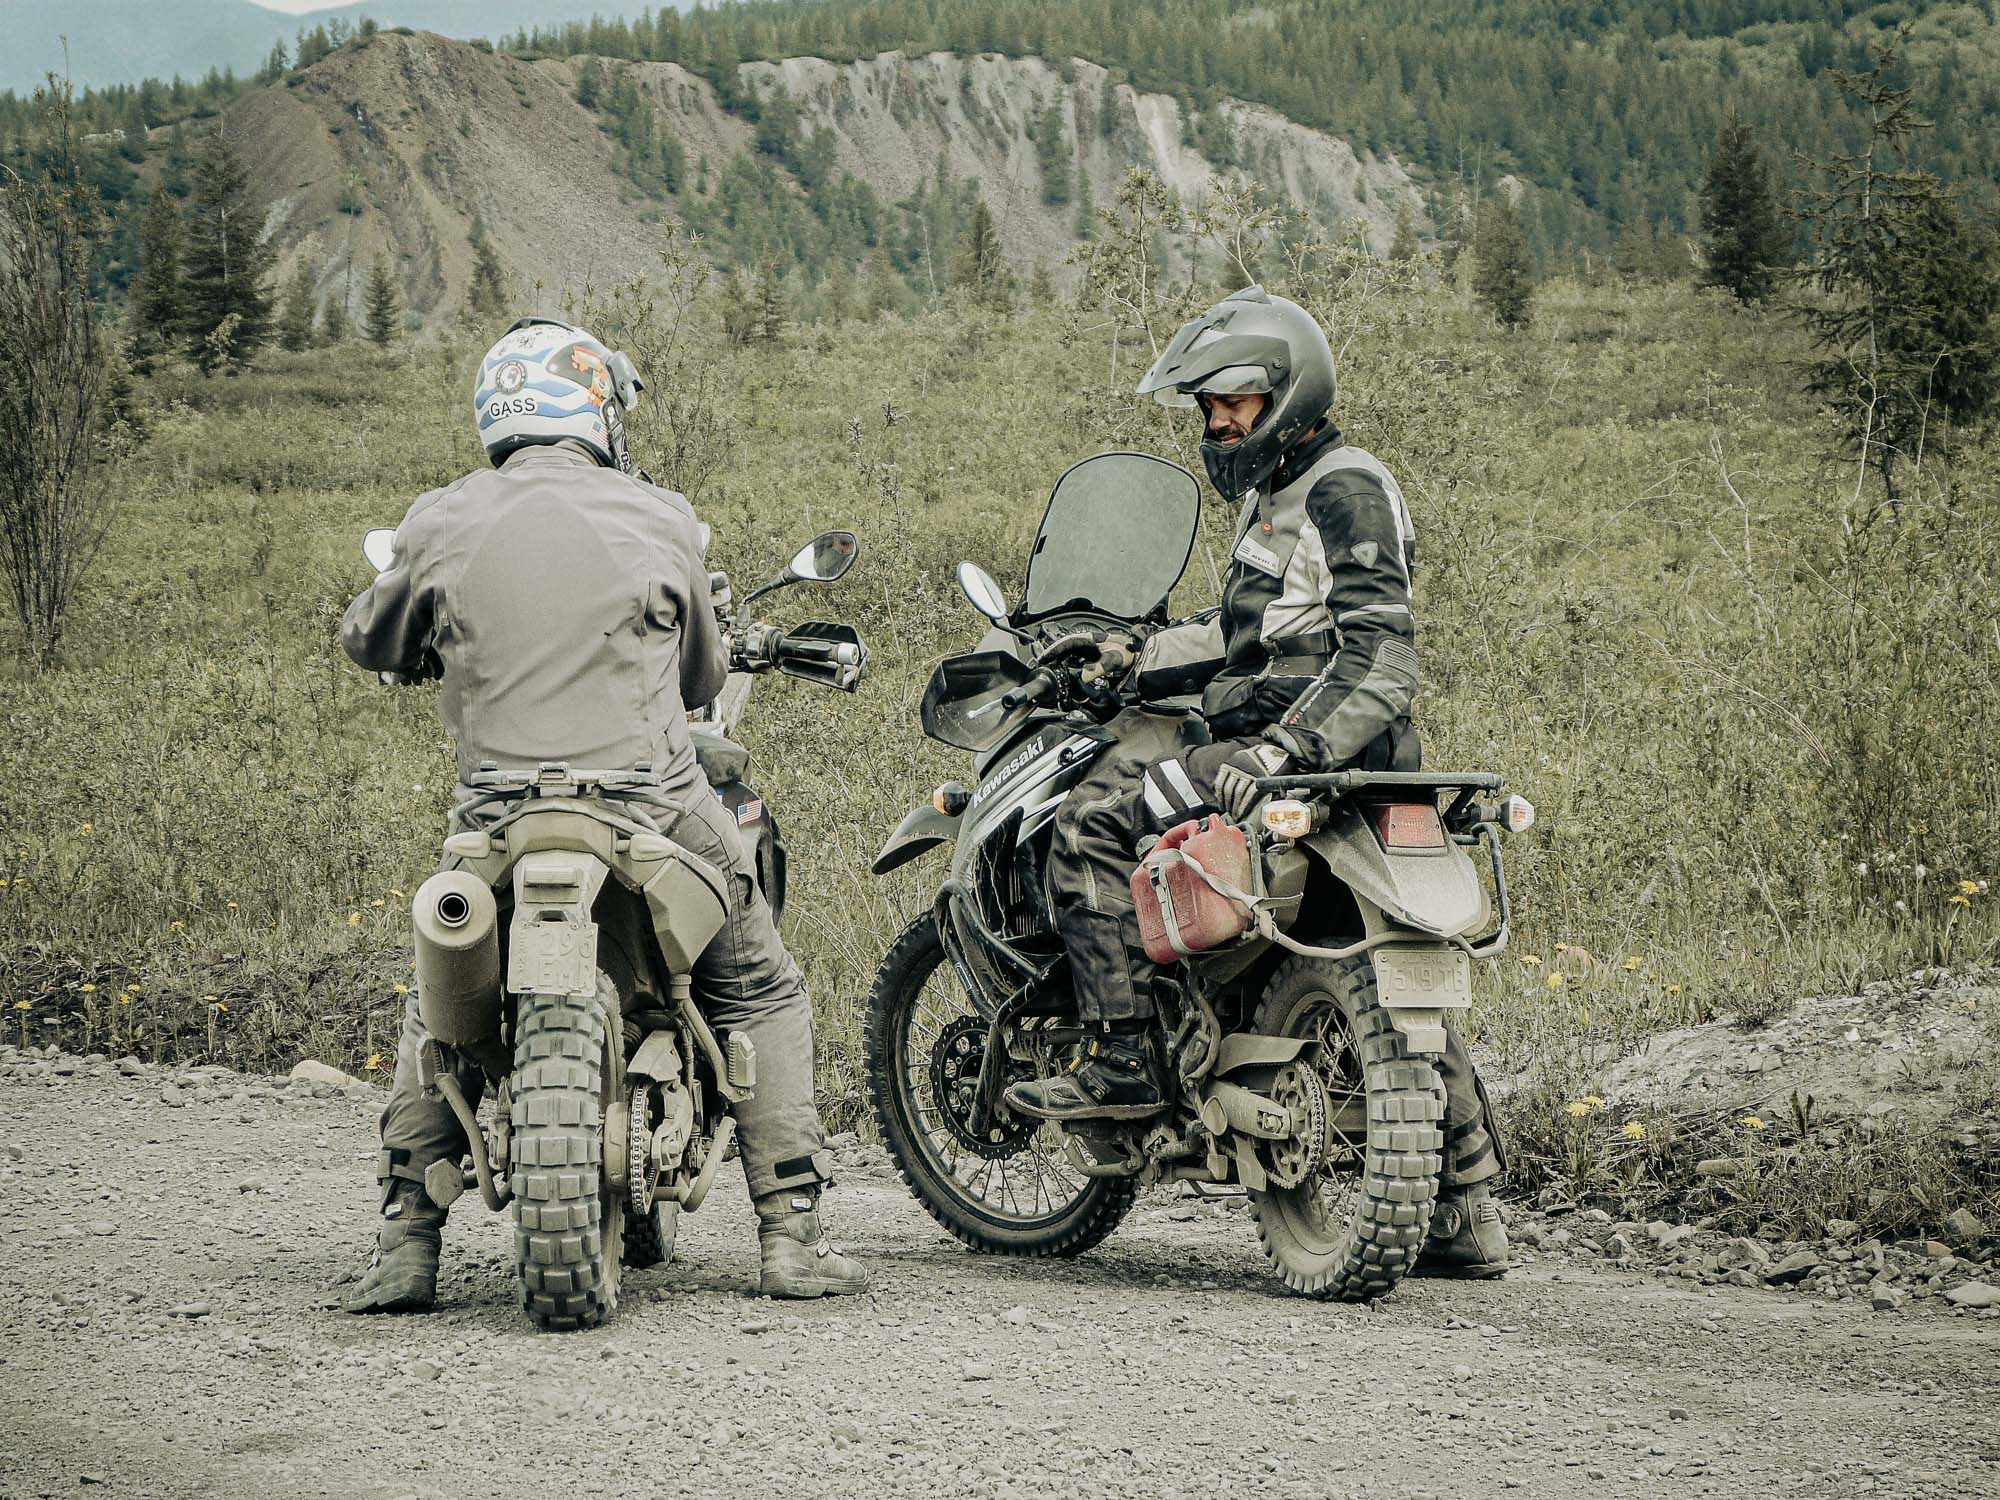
(957, 1058)
(1299, 1090)
(641, 1182)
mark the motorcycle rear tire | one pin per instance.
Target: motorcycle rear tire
(649, 1238)
(568, 1219)
(1081, 1225)
(1366, 1255)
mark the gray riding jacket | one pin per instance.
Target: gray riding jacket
(568, 607)
(1315, 640)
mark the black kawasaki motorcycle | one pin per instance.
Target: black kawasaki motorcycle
(1301, 1048)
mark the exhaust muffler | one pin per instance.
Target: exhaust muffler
(458, 958)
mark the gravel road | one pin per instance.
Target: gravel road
(164, 1336)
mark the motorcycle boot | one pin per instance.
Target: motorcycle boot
(799, 1260)
(1115, 1075)
(1467, 1237)
(402, 1276)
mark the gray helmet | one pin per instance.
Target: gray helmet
(1249, 342)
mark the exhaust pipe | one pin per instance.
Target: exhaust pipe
(458, 958)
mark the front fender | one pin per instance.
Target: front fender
(923, 828)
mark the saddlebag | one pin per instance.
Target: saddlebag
(1180, 913)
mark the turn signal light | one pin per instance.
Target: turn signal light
(1517, 814)
(950, 799)
(1411, 825)
(1288, 818)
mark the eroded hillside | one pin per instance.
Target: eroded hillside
(399, 145)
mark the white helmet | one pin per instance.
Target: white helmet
(546, 381)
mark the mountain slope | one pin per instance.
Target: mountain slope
(124, 41)
(398, 145)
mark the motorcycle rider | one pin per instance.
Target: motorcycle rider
(1310, 665)
(566, 603)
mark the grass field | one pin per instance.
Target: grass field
(1760, 717)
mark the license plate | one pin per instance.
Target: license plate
(1436, 977)
(553, 958)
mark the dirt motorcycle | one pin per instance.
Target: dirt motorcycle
(554, 949)
(1321, 944)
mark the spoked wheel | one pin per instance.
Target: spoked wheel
(1007, 1190)
(568, 1219)
(1354, 1222)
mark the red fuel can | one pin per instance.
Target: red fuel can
(1180, 914)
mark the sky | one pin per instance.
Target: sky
(294, 7)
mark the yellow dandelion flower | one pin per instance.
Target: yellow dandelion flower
(3, 884)
(90, 989)
(1965, 901)
(24, 1005)
(354, 919)
(1562, 947)
(1673, 989)
(89, 828)
(1632, 964)
(1531, 959)
(124, 999)
(402, 989)
(1633, 1131)
(1751, 1122)
(1555, 981)
(230, 904)
(374, 1061)
(1595, 1101)
(1968, 888)
(176, 926)
(131, 989)
(211, 999)
(376, 902)
(1577, 1109)
(398, 895)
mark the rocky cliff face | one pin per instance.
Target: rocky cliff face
(396, 147)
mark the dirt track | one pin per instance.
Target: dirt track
(1166, 1363)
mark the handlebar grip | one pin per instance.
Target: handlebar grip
(1033, 690)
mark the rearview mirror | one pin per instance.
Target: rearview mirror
(983, 592)
(824, 558)
(379, 547)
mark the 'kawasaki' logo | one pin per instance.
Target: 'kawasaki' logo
(1034, 750)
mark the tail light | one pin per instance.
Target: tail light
(1410, 825)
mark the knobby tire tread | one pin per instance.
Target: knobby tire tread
(567, 1280)
(1401, 1158)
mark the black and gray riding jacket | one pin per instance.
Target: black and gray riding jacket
(1316, 636)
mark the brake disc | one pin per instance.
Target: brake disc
(641, 1181)
(957, 1058)
(1292, 1160)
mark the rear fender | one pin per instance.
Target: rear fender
(552, 948)
(923, 828)
(1435, 891)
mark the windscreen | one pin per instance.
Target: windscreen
(1116, 536)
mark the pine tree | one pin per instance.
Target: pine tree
(382, 305)
(1739, 217)
(227, 257)
(981, 267)
(158, 309)
(768, 306)
(1053, 148)
(295, 327)
(886, 292)
(1404, 247)
(1906, 290)
(333, 321)
(1503, 270)
(488, 294)
(1085, 224)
